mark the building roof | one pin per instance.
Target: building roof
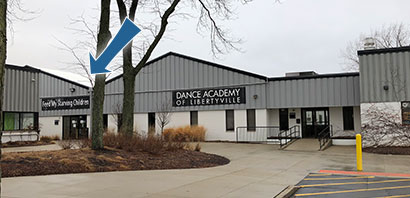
(333, 75)
(383, 50)
(48, 72)
(200, 61)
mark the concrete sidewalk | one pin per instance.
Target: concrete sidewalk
(50, 147)
(255, 170)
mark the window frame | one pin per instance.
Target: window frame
(348, 125)
(20, 121)
(191, 115)
(233, 120)
(253, 121)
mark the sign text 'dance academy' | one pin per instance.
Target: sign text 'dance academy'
(201, 97)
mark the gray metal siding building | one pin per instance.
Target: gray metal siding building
(384, 75)
(312, 102)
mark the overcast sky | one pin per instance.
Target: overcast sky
(296, 35)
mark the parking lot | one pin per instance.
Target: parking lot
(335, 185)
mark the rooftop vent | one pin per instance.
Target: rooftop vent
(305, 73)
(369, 43)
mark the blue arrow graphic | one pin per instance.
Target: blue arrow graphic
(127, 32)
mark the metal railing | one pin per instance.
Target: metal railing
(324, 136)
(256, 134)
(286, 136)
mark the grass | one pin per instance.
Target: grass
(185, 134)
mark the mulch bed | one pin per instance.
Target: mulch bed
(25, 143)
(394, 150)
(87, 160)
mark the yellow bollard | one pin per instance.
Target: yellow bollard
(359, 152)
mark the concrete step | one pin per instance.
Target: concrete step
(306, 144)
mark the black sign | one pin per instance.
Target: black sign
(405, 112)
(201, 97)
(76, 102)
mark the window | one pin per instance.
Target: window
(105, 121)
(20, 121)
(348, 121)
(119, 121)
(151, 121)
(194, 118)
(230, 120)
(251, 119)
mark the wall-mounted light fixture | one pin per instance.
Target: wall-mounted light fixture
(386, 87)
(255, 96)
(72, 89)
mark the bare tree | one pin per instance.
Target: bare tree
(3, 55)
(164, 114)
(382, 124)
(393, 35)
(10, 10)
(104, 36)
(210, 13)
(117, 116)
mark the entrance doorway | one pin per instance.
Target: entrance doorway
(75, 127)
(314, 120)
(283, 119)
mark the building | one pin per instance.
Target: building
(232, 104)
(35, 100)
(385, 96)
(222, 98)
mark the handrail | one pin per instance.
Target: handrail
(324, 136)
(286, 136)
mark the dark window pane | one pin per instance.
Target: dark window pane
(27, 121)
(348, 121)
(11, 121)
(194, 118)
(105, 121)
(119, 121)
(230, 120)
(283, 119)
(251, 119)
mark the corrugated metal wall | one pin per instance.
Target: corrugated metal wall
(21, 91)
(380, 69)
(51, 86)
(154, 85)
(314, 92)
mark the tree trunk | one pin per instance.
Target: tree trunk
(104, 36)
(129, 92)
(129, 72)
(3, 56)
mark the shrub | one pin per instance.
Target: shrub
(198, 147)
(83, 143)
(151, 144)
(48, 139)
(66, 144)
(185, 134)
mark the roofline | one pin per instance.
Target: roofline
(197, 60)
(333, 75)
(383, 50)
(33, 69)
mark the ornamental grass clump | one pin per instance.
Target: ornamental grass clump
(185, 134)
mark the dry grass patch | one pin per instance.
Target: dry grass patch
(185, 134)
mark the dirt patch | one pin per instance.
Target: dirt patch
(25, 143)
(87, 160)
(394, 150)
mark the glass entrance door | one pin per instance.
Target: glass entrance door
(75, 127)
(314, 121)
